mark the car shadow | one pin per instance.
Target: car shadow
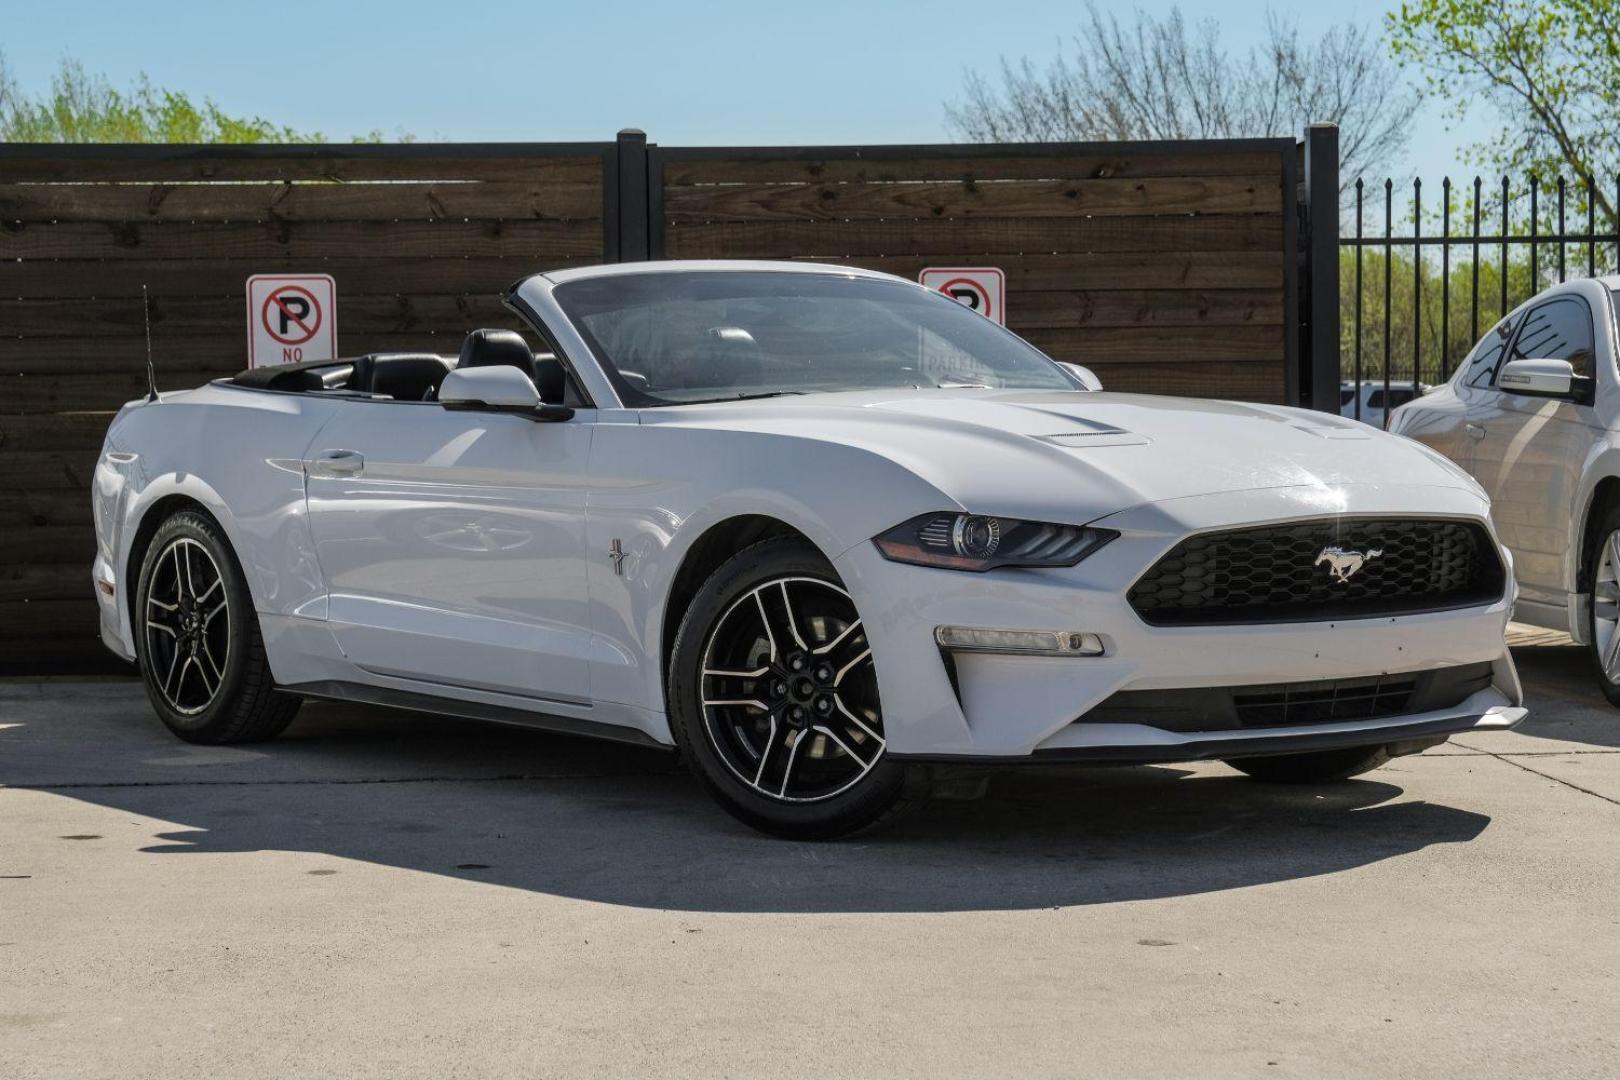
(597, 821)
(1562, 692)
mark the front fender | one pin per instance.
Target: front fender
(1602, 464)
(658, 489)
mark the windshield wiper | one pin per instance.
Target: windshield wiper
(765, 394)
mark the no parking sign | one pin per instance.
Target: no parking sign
(982, 288)
(291, 318)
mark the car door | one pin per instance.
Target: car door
(1528, 450)
(1439, 420)
(451, 545)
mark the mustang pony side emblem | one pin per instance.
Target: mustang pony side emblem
(1344, 565)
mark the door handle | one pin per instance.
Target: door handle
(336, 463)
(1475, 431)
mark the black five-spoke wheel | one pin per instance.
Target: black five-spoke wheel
(197, 638)
(774, 697)
(789, 690)
(188, 626)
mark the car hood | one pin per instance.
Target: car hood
(1094, 453)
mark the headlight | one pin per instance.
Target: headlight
(975, 542)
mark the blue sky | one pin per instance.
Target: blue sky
(717, 72)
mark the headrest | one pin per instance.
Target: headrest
(494, 348)
(403, 375)
(550, 379)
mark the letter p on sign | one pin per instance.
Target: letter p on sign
(982, 288)
(291, 318)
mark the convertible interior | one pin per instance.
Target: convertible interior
(415, 376)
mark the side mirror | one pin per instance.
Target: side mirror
(498, 388)
(1540, 378)
(1087, 377)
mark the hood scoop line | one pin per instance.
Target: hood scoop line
(1105, 437)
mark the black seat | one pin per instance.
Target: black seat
(494, 348)
(403, 376)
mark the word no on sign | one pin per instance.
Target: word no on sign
(291, 318)
(982, 288)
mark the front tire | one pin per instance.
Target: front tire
(773, 698)
(197, 639)
(1320, 767)
(1603, 603)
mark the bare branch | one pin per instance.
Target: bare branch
(1165, 79)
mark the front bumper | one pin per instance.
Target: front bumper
(1005, 707)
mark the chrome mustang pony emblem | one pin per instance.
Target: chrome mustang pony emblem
(1344, 564)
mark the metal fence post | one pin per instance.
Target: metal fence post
(632, 204)
(1319, 387)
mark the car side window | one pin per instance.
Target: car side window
(1557, 330)
(1479, 366)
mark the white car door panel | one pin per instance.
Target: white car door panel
(1528, 451)
(451, 544)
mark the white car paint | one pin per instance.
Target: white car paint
(471, 558)
(1540, 459)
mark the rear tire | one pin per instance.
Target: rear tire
(197, 639)
(1602, 575)
(773, 699)
(1320, 767)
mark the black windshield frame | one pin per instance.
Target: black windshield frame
(583, 298)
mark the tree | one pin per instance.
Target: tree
(1550, 68)
(85, 108)
(1164, 79)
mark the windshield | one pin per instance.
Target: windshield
(715, 335)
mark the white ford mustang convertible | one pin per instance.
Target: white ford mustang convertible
(821, 530)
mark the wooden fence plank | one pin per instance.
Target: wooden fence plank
(44, 470)
(451, 200)
(961, 241)
(948, 167)
(1212, 348)
(39, 509)
(1254, 381)
(49, 620)
(44, 319)
(216, 166)
(1118, 270)
(50, 581)
(1145, 307)
(178, 354)
(52, 279)
(992, 198)
(54, 431)
(537, 240)
(48, 544)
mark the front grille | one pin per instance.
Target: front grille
(1275, 573)
(1295, 704)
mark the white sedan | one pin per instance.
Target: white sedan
(1533, 413)
(819, 529)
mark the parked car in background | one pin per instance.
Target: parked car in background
(821, 529)
(1533, 413)
(1375, 400)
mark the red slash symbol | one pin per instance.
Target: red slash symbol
(295, 307)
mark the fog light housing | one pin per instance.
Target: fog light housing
(1021, 642)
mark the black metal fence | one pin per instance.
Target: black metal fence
(1412, 316)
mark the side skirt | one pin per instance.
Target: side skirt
(338, 690)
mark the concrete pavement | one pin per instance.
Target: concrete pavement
(381, 894)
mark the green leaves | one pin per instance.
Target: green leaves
(1550, 68)
(85, 108)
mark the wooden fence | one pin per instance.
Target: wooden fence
(1170, 268)
(1162, 266)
